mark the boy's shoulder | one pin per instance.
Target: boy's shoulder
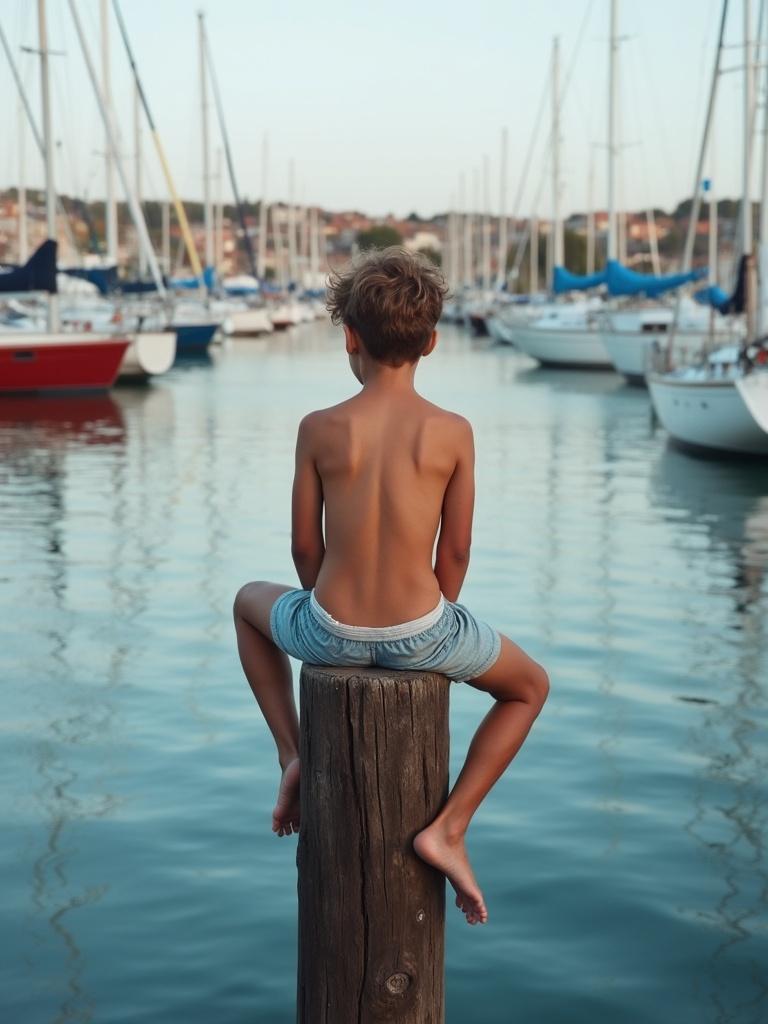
(447, 417)
(320, 419)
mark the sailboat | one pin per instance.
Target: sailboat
(721, 403)
(53, 361)
(570, 335)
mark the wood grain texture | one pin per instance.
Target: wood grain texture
(374, 771)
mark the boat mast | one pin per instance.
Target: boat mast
(228, 155)
(696, 192)
(746, 219)
(653, 245)
(712, 239)
(136, 213)
(207, 210)
(467, 225)
(612, 69)
(137, 168)
(314, 256)
(486, 224)
(456, 250)
(746, 198)
(218, 220)
(292, 222)
(534, 270)
(261, 266)
(50, 187)
(181, 215)
(22, 192)
(558, 250)
(591, 214)
(501, 263)
(762, 313)
(166, 233)
(109, 166)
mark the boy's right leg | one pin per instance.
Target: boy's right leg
(519, 686)
(268, 672)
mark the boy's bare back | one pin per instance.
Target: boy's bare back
(387, 465)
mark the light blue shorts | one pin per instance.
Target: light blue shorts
(449, 639)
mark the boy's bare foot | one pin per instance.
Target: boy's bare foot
(285, 817)
(448, 855)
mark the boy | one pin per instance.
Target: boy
(389, 469)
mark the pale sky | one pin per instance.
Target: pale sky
(384, 105)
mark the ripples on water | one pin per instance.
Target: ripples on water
(622, 856)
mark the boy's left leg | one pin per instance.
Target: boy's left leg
(268, 672)
(520, 687)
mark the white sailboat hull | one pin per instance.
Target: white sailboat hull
(712, 414)
(552, 346)
(248, 322)
(499, 330)
(150, 353)
(629, 352)
(286, 315)
(753, 390)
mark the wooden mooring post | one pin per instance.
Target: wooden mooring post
(374, 771)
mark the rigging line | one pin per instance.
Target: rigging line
(106, 116)
(65, 170)
(694, 216)
(753, 116)
(543, 178)
(181, 214)
(228, 155)
(539, 113)
(61, 209)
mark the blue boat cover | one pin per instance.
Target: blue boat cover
(736, 302)
(209, 280)
(37, 275)
(565, 281)
(138, 287)
(713, 295)
(623, 281)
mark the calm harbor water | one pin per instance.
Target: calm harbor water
(623, 854)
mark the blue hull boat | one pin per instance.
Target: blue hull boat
(193, 339)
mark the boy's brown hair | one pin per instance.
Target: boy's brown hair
(392, 298)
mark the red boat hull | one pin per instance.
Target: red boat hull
(59, 362)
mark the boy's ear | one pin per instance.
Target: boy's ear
(352, 340)
(430, 346)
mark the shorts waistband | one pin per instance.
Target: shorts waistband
(400, 631)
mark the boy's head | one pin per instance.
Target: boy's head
(392, 300)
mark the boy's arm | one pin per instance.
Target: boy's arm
(307, 542)
(452, 557)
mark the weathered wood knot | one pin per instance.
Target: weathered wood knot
(398, 983)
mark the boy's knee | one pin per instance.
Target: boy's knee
(534, 684)
(241, 598)
(540, 684)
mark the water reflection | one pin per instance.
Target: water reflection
(38, 437)
(728, 505)
(728, 502)
(575, 382)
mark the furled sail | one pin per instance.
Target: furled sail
(721, 300)
(623, 281)
(37, 275)
(565, 281)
